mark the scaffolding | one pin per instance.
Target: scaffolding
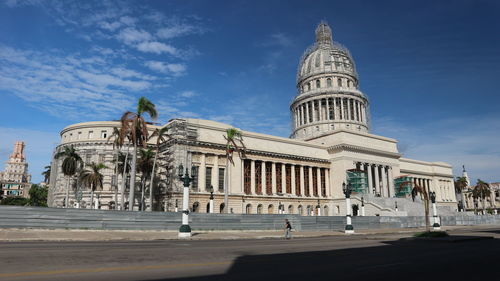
(358, 180)
(403, 185)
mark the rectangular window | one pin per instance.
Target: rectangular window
(221, 179)
(258, 177)
(79, 135)
(288, 178)
(315, 181)
(208, 178)
(101, 158)
(71, 136)
(269, 179)
(91, 134)
(194, 184)
(247, 176)
(278, 178)
(104, 135)
(306, 181)
(88, 158)
(297, 181)
(323, 182)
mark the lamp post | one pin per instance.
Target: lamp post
(185, 229)
(435, 225)
(319, 208)
(362, 206)
(347, 192)
(211, 207)
(396, 205)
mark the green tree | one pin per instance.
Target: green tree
(15, 200)
(92, 178)
(461, 184)
(234, 142)
(161, 136)
(481, 191)
(145, 168)
(46, 174)
(71, 164)
(38, 195)
(134, 126)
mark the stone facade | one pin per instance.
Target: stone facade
(301, 175)
(15, 179)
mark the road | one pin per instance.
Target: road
(319, 258)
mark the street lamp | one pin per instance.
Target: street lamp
(319, 208)
(347, 192)
(185, 229)
(211, 207)
(396, 205)
(435, 225)
(362, 206)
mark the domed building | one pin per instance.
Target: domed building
(330, 145)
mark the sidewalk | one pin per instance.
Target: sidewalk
(12, 235)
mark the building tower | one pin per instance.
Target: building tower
(464, 174)
(328, 95)
(15, 179)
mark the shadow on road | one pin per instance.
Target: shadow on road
(396, 260)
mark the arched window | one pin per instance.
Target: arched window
(248, 209)
(308, 86)
(329, 82)
(325, 210)
(339, 82)
(300, 210)
(270, 209)
(208, 207)
(221, 208)
(259, 209)
(308, 210)
(318, 84)
(290, 209)
(348, 83)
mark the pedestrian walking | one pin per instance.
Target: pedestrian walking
(288, 230)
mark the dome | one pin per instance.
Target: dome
(325, 56)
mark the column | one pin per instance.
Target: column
(348, 109)
(301, 122)
(311, 182)
(342, 108)
(377, 180)
(292, 175)
(327, 183)
(328, 117)
(307, 112)
(320, 108)
(215, 173)
(283, 178)
(370, 180)
(361, 115)
(302, 180)
(391, 183)
(252, 176)
(313, 108)
(202, 173)
(273, 178)
(318, 180)
(263, 181)
(384, 181)
(304, 114)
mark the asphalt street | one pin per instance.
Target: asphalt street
(372, 257)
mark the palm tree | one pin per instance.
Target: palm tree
(46, 174)
(123, 168)
(145, 167)
(135, 128)
(71, 164)
(461, 184)
(481, 190)
(92, 178)
(161, 136)
(234, 142)
(425, 194)
(117, 144)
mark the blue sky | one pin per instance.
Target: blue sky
(430, 68)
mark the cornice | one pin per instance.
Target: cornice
(359, 149)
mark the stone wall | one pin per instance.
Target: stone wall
(37, 217)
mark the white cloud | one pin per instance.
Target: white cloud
(176, 69)
(277, 39)
(175, 31)
(130, 36)
(156, 47)
(187, 94)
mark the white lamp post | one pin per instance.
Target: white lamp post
(211, 207)
(347, 192)
(362, 207)
(435, 225)
(185, 229)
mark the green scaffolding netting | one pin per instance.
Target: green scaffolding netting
(358, 180)
(403, 186)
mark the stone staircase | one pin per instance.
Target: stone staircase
(406, 206)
